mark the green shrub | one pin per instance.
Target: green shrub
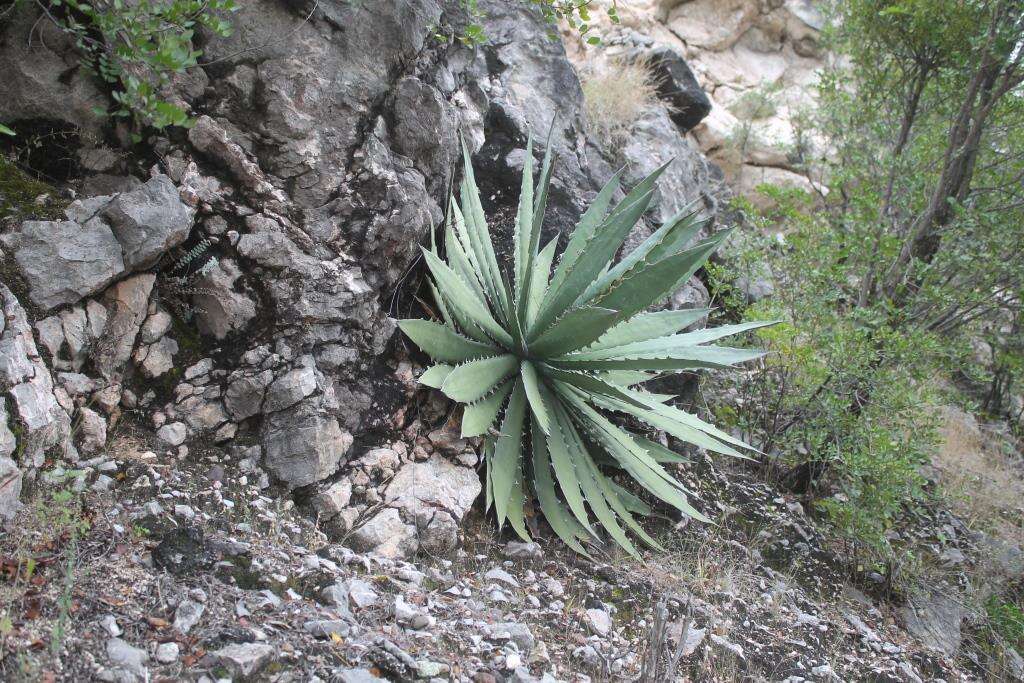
(137, 47)
(560, 352)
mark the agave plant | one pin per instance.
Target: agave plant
(553, 356)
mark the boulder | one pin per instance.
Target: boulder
(63, 261)
(386, 535)
(678, 86)
(148, 221)
(303, 445)
(127, 303)
(436, 494)
(934, 618)
(30, 401)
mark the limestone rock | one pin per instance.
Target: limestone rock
(127, 304)
(385, 534)
(92, 430)
(148, 221)
(244, 660)
(935, 619)
(437, 494)
(243, 397)
(10, 488)
(157, 358)
(63, 261)
(220, 310)
(303, 445)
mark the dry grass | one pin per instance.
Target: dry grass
(980, 479)
(616, 94)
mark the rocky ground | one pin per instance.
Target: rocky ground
(215, 462)
(172, 567)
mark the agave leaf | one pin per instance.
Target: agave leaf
(589, 482)
(575, 330)
(629, 501)
(677, 429)
(561, 520)
(686, 418)
(648, 283)
(460, 259)
(596, 253)
(621, 509)
(435, 375)
(633, 458)
(594, 220)
(667, 240)
(530, 248)
(531, 383)
(516, 503)
(649, 326)
(680, 358)
(442, 306)
(626, 378)
(460, 296)
(473, 380)
(441, 343)
(659, 453)
(562, 461)
(508, 451)
(478, 417)
(524, 218)
(539, 286)
(589, 384)
(480, 240)
(712, 333)
(584, 230)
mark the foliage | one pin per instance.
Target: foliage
(575, 13)
(615, 96)
(824, 358)
(138, 46)
(1007, 619)
(561, 351)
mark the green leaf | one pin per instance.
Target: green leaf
(596, 253)
(589, 384)
(474, 380)
(461, 298)
(478, 417)
(443, 344)
(647, 284)
(539, 286)
(435, 375)
(508, 452)
(524, 219)
(576, 329)
(562, 460)
(584, 230)
(667, 240)
(560, 519)
(659, 453)
(4, 130)
(531, 382)
(649, 326)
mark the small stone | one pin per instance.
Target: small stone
(129, 658)
(188, 615)
(358, 676)
(499, 574)
(167, 653)
(323, 628)
(109, 624)
(599, 621)
(244, 660)
(173, 434)
(361, 594)
(517, 550)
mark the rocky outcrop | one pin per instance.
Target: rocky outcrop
(281, 227)
(103, 238)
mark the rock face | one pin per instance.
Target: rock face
(280, 230)
(64, 261)
(105, 237)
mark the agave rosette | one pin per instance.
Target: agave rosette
(542, 364)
